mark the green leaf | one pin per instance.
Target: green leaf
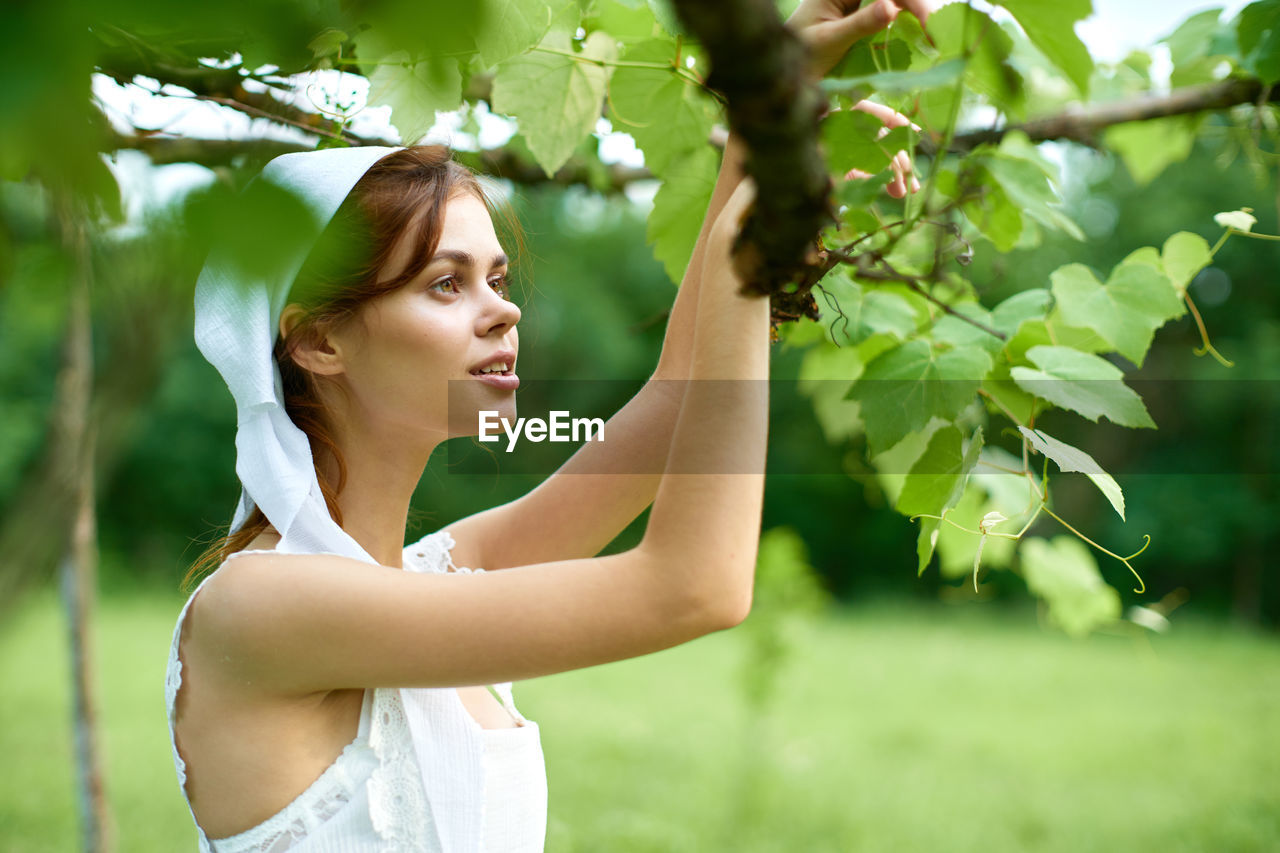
(961, 31)
(1028, 180)
(937, 478)
(1084, 383)
(994, 215)
(679, 207)
(849, 139)
(1184, 255)
(906, 386)
(1065, 575)
(665, 113)
(854, 313)
(415, 92)
(1025, 305)
(1069, 459)
(555, 98)
(1051, 27)
(926, 542)
(624, 21)
(1126, 312)
(825, 375)
(1052, 331)
(1148, 147)
(896, 82)
(958, 333)
(1192, 48)
(665, 13)
(868, 56)
(1258, 33)
(512, 27)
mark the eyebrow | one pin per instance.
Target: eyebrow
(466, 258)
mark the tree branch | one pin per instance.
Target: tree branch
(497, 162)
(1085, 124)
(760, 67)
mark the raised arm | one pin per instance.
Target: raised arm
(302, 624)
(578, 510)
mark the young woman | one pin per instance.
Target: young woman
(326, 687)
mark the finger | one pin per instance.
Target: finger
(897, 187)
(856, 175)
(920, 8)
(889, 117)
(867, 21)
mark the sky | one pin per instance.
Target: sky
(1115, 28)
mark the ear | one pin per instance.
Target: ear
(312, 350)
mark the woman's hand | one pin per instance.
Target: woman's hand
(830, 27)
(901, 163)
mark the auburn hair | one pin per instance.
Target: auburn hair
(339, 276)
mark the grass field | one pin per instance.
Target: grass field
(894, 729)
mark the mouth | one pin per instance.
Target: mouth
(501, 363)
(496, 368)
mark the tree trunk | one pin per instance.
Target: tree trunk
(73, 426)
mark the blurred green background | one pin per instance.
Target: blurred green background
(877, 711)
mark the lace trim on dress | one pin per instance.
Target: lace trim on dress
(397, 799)
(293, 824)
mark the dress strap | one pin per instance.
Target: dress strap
(366, 714)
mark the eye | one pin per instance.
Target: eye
(449, 281)
(502, 284)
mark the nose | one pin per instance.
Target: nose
(498, 314)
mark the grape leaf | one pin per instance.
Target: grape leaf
(1084, 383)
(415, 91)
(1148, 147)
(854, 313)
(1184, 255)
(1258, 33)
(665, 113)
(1065, 575)
(1126, 312)
(1051, 27)
(849, 138)
(512, 27)
(896, 82)
(937, 478)
(926, 542)
(625, 21)
(904, 387)
(959, 333)
(1025, 305)
(679, 207)
(1069, 458)
(961, 31)
(555, 98)
(1028, 180)
(825, 375)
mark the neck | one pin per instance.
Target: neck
(383, 469)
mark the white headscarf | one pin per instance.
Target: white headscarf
(237, 317)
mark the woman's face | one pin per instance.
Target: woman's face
(412, 358)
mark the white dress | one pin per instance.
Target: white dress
(421, 774)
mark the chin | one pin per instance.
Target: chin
(465, 414)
